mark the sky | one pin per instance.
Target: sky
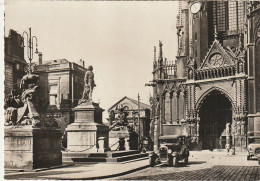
(116, 38)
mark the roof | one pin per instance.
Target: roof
(142, 105)
(56, 61)
(170, 136)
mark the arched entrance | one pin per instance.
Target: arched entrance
(215, 121)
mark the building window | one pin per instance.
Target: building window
(53, 94)
(195, 36)
(53, 99)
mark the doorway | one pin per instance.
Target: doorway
(215, 121)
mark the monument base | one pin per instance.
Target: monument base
(114, 137)
(28, 147)
(83, 137)
(83, 134)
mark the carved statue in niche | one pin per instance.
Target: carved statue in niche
(190, 74)
(238, 126)
(228, 129)
(243, 127)
(89, 86)
(27, 109)
(240, 67)
(193, 129)
(151, 131)
(157, 109)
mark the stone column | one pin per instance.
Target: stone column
(156, 133)
(171, 107)
(163, 109)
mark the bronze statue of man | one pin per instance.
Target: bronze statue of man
(89, 84)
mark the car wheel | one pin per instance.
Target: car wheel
(174, 162)
(248, 157)
(151, 161)
(186, 161)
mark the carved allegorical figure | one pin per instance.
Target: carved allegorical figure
(89, 85)
(120, 120)
(26, 109)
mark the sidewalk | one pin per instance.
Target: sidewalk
(84, 172)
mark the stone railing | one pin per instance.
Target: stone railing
(169, 68)
(215, 72)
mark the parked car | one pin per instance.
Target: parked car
(173, 148)
(253, 147)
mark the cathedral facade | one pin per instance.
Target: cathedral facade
(211, 92)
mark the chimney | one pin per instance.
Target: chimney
(40, 58)
(82, 62)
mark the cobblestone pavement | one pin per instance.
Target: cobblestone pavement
(218, 172)
(202, 166)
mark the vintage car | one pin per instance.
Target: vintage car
(253, 147)
(172, 149)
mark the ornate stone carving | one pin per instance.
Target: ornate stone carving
(29, 108)
(118, 119)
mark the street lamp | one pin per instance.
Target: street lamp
(30, 47)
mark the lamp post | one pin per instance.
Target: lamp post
(30, 47)
(139, 126)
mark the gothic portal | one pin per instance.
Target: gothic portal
(211, 91)
(215, 121)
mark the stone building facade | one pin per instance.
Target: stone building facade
(211, 92)
(14, 62)
(62, 85)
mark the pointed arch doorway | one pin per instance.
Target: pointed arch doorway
(215, 121)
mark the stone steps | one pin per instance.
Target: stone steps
(108, 157)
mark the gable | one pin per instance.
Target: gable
(217, 56)
(130, 103)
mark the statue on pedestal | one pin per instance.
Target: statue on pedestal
(89, 86)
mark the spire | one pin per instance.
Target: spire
(160, 50)
(215, 33)
(154, 61)
(154, 51)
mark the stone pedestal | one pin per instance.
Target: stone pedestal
(28, 147)
(83, 134)
(114, 137)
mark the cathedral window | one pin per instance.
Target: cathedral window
(228, 15)
(235, 15)
(219, 13)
